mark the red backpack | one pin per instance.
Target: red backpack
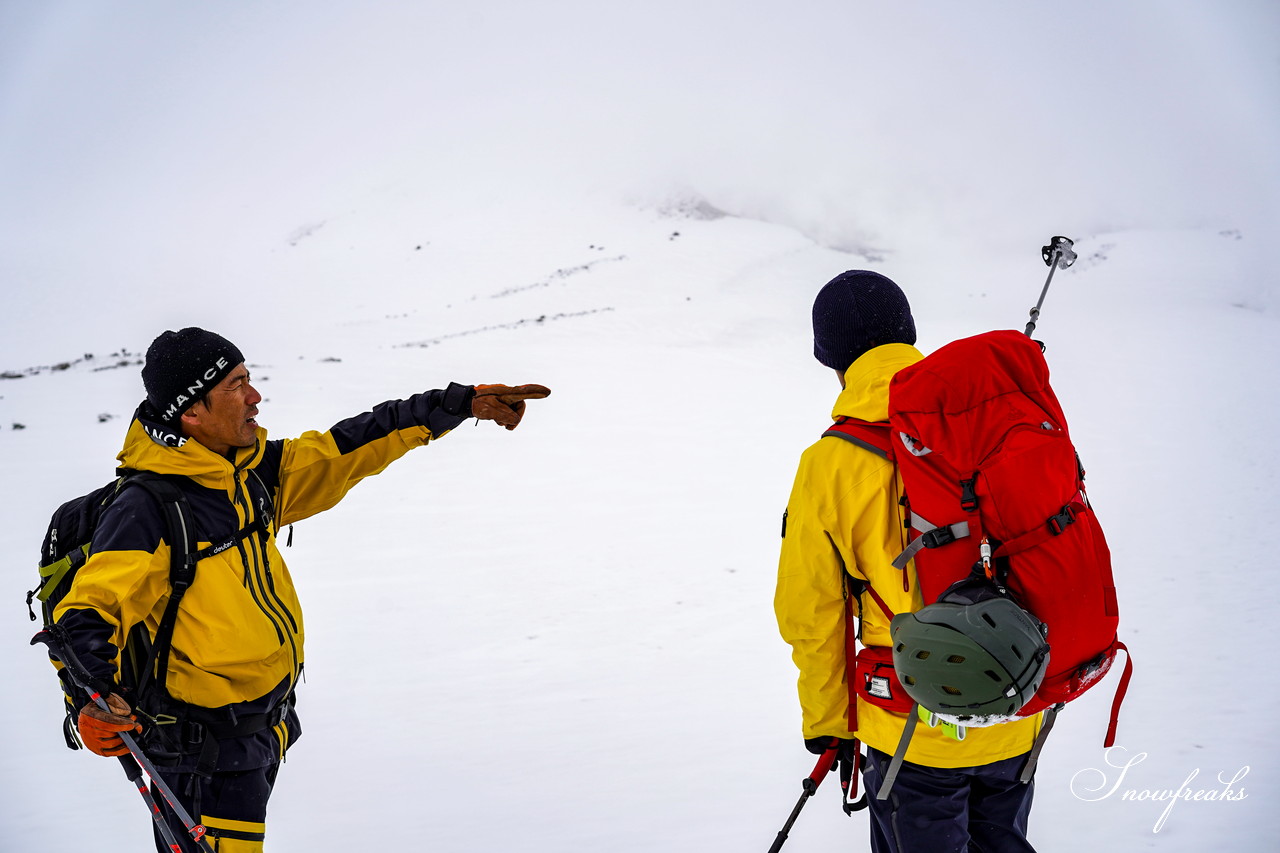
(994, 485)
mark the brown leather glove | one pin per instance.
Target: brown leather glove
(504, 404)
(100, 731)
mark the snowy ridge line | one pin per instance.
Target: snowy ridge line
(691, 206)
(558, 275)
(302, 232)
(123, 359)
(527, 321)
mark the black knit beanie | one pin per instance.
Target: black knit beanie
(183, 366)
(855, 312)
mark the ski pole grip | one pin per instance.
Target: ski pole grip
(825, 762)
(54, 638)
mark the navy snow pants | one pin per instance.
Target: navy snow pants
(232, 806)
(949, 810)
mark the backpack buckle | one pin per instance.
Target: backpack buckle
(937, 537)
(968, 496)
(1059, 522)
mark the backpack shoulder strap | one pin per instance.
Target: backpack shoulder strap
(876, 437)
(869, 435)
(182, 568)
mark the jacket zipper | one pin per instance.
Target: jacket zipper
(257, 580)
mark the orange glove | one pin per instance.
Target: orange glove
(504, 404)
(100, 731)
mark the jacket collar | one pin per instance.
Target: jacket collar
(866, 382)
(151, 445)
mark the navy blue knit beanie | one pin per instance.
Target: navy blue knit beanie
(855, 312)
(182, 367)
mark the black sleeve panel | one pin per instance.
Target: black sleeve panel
(90, 637)
(426, 410)
(133, 522)
(268, 468)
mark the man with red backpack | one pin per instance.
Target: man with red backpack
(838, 589)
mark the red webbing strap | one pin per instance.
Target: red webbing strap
(851, 645)
(849, 783)
(1041, 534)
(869, 435)
(1121, 689)
(880, 602)
(851, 658)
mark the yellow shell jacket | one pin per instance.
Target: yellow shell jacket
(844, 517)
(237, 641)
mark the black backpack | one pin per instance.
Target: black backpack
(66, 548)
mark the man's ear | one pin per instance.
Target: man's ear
(191, 417)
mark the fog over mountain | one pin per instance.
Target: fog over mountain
(144, 146)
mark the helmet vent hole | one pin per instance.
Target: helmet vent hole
(900, 647)
(1016, 651)
(950, 691)
(986, 617)
(909, 680)
(923, 654)
(993, 676)
(956, 659)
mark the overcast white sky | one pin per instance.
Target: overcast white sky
(134, 131)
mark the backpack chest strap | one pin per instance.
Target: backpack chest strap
(931, 536)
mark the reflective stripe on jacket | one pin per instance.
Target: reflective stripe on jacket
(844, 516)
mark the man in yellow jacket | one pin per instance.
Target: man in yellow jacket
(215, 713)
(842, 529)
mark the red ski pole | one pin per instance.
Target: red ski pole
(810, 784)
(54, 638)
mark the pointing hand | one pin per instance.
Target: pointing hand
(504, 404)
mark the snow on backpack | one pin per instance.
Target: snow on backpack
(995, 491)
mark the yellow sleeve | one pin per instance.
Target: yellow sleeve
(315, 475)
(317, 469)
(810, 599)
(842, 521)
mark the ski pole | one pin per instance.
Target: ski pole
(54, 638)
(1058, 255)
(134, 772)
(810, 785)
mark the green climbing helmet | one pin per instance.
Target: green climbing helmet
(972, 654)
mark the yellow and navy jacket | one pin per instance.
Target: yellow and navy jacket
(237, 642)
(844, 520)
